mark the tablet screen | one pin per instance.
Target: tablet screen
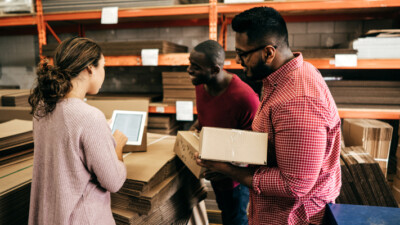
(130, 123)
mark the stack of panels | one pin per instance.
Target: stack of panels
(17, 6)
(396, 179)
(309, 53)
(127, 48)
(351, 93)
(15, 182)
(74, 5)
(16, 140)
(162, 124)
(158, 190)
(348, 191)
(177, 86)
(375, 136)
(14, 97)
(369, 181)
(213, 212)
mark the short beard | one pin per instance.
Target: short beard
(259, 71)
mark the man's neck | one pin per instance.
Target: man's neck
(219, 85)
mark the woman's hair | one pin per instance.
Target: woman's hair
(54, 82)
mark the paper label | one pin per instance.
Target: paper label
(345, 60)
(109, 15)
(160, 109)
(184, 110)
(149, 57)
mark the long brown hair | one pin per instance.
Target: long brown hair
(54, 82)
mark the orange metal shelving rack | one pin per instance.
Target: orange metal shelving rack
(306, 10)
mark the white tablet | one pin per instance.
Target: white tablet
(131, 123)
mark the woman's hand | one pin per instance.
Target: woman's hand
(121, 140)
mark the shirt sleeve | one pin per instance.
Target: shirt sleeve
(300, 127)
(99, 149)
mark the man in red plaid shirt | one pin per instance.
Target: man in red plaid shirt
(300, 116)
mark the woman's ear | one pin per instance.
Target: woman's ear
(90, 69)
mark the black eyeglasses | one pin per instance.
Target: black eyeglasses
(246, 53)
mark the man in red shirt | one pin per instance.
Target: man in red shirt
(300, 116)
(223, 100)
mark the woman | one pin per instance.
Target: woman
(77, 161)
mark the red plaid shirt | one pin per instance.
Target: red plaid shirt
(303, 171)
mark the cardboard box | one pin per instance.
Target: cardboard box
(231, 145)
(186, 144)
(218, 144)
(108, 106)
(375, 136)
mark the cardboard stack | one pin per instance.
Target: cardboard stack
(158, 189)
(16, 161)
(367, 184)
(14, 97)
(16, 140)
(213, 212)
(365, 94)
(162, 124)
(127, 48)
(373, 135)
(177, 86)
(396, 179)
(378, 44)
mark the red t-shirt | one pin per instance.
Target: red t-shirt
(235, 108)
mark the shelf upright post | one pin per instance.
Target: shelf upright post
(213, 20)
(223, 34)
(41, 27)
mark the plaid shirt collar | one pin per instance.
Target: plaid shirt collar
(282, 73)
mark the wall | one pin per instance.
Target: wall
(19, 54)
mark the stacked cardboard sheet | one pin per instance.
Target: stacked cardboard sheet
(369, 184)
(177, 86)
(127, 48)
(14, 97)
(158, 189)
(15, 182)
(375, 136)
(396, 179)
(162, 124)
(16, 140)
(74, 5)
(379, 44)
(367, 94)
(8, 113)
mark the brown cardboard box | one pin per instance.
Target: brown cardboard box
(375, 136)
(186, 144)
(9, 113)
(108, 106)
(231, 145)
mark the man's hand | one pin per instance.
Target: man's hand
(213, 166)
(243, 175)
(121, 140)
(214, 176)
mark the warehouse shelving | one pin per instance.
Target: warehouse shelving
(211, 14)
